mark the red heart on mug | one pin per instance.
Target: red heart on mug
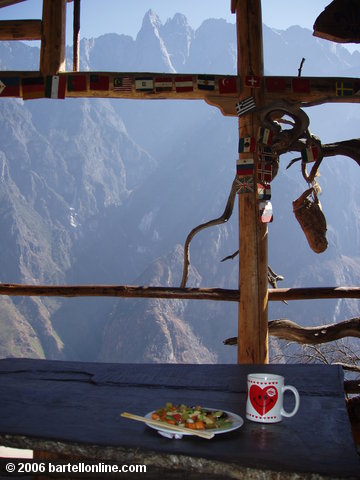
(263, 399)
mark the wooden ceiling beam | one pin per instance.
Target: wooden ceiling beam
(233, 6)
(339, 22)
(20, 30)
(52, 54)
(8, 3)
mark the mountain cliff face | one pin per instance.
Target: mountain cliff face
(105, 191)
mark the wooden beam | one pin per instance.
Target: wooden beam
(252, 315)
(320, 90)
(76, 36)
(52, 54)
(125, 291)
(7, 3)
(132, 291)
(20, 30)
(287, 294)
(233, 6)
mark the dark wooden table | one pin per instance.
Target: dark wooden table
(74, 408)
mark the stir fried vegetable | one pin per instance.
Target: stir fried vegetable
(196, 418)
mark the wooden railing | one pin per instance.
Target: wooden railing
(133, 291)
(284, 329)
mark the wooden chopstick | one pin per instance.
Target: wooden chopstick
(168, 426)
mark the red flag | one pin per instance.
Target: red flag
(275, 84)
(300, 85)
(252, 81)
(76, 83)
(227, 85)
(264, 172)
(99, 82)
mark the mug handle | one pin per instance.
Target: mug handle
(297, 401)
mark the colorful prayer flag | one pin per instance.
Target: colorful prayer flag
(245, 166)
(245, 106)
(144, 84)
(163, 84)
(264, 172)
(300, 85)
(33, 87)
(247, 144)
(264, 191)
(252, 81)
(99, 82)
(228, 85)
(206, 82)
(9, 87)
(265, 136)
(55, 86)
(244, 184)
(344, 89)
(310, 154)
(184, 84)
(275, 84)
(122, 84)
(76, 83)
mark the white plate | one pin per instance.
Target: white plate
(236, 421)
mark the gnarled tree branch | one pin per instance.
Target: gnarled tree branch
(217, 221)
(291, 331)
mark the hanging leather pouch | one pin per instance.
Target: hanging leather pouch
(310, 216)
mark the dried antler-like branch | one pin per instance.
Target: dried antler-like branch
(217, 221)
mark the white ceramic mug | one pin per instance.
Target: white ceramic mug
(264, 399)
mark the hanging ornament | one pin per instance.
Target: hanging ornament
(308, 213)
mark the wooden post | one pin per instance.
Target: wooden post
(252, 320)
(76, 36)
(52, 55)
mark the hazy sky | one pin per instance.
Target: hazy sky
(121, 16)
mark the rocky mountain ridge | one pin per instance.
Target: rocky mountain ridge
(105, 191)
